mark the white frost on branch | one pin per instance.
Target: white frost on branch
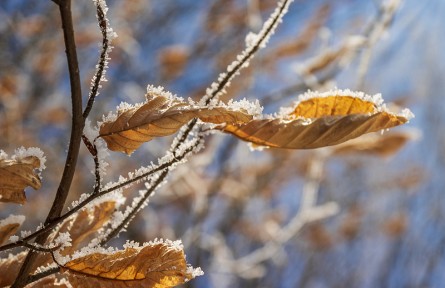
(105, 48)
(253, 43)
(92, 134)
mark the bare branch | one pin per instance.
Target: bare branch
(75, 138)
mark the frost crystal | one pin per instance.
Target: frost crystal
(3, 155)
(14, 238)
(106, 47)
(153, 92)
(13, 219)
(23, 152)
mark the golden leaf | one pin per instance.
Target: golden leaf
(161, 116)
(319, 121)
(154, 265)
(9, 226)
(15, 175)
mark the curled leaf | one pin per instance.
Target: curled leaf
(161, 115)
(15, 175)
(9, 226)
(160, 264)
(320, 120)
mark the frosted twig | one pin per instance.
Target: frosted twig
(138, 204)
(242, 60)
(107, 35)
(49, 226)
(255, 43)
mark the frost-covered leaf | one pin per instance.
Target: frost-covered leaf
(86, 223)
(10, 267)
(50, 281)
(320, 119)
(15, 175)
(161, 115)
(159, 264)
(9, 226)
(80, 229)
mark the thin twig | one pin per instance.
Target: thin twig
(49, 226)
(102, 62)
(75, 138)
(135, 210)
(224, 81)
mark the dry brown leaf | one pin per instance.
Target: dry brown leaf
(15, 175)
(159, 264)
(86, 223)
(161, 116)
(320, 120)
(9, 226)
(81, 229)
(10, 268)
(381, 145)
(49, 281)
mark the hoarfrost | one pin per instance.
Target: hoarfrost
(23, 152)
(3, 155)
(14, 238)
(13, 219)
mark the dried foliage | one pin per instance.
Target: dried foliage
(50, 281)
(318, 122)
(161, 116)
(10, 267)
(85, 224)
(15, 175)
(154, 265)
(70, 248)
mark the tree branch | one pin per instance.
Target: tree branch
(75, 139)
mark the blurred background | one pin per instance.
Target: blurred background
(364, 214)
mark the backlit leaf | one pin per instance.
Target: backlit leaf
(320, 120)
(160, 116)
(15, 175)
(160, 264)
